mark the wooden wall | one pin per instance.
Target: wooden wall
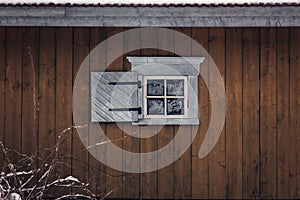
(257, 155)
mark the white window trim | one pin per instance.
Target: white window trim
(165, 78)
(169, 67)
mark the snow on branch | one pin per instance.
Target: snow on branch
(22, 180)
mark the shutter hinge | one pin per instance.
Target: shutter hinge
(139, 109)
(138, 83)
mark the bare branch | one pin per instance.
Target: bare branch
(16, 176)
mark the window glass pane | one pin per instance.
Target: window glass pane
(175, 106)
(175, 87)
(155, 87)
(155, 106)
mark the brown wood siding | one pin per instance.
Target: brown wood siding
(200, 172)
(217, 157)
(148, 181)
(165, 176)
(63, 106)
(257, 155)
(114, 180)
(79, 154)
(47, 84)
(2, 90)
(97, 171)
(294, 113)
(251, 113)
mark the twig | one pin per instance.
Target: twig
(42, 174)
(10, 165)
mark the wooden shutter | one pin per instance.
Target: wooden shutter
(114, 96)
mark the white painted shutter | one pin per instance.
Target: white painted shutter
(114, 96)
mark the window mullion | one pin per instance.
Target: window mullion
(165, 96)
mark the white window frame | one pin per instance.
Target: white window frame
(165, 96)
(172, 67)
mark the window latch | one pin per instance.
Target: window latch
(139, 109)
(138, 83)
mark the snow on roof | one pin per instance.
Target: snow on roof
(150, 2)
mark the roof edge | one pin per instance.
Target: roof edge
(260, 4)
(151, 16)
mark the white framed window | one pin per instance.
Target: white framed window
(165, 96)
(157, 90)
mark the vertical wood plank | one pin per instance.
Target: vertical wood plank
(30, 90)
(131, 184)
(200, 166)
(182, 166)
(79, 151)
(97, 170)
(131, 144)
(148, 181)
(216, 157)
(114, 178)
(2, 90)
(165, 176)
(13, 110)
(64, 39)
(268, 123)
(294, 113)
(234, 113)
(30, 67)
(250, 113)
(283, 126)
(46, 131)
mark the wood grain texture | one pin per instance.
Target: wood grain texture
(234, 113)
(114, 178)
(200, 166)
(268, 124)
(2, 91)
(165, 176)
(131, 181)
(47, 89)
(47, 94)
(216, 158)
(294, 113)
(30, 90)
(182, 166)
(64, 72)
(131, 184)
(283, 113)
(97, 170)
(250, 113)
(148, 181)
(13, 89)
(79, 151)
